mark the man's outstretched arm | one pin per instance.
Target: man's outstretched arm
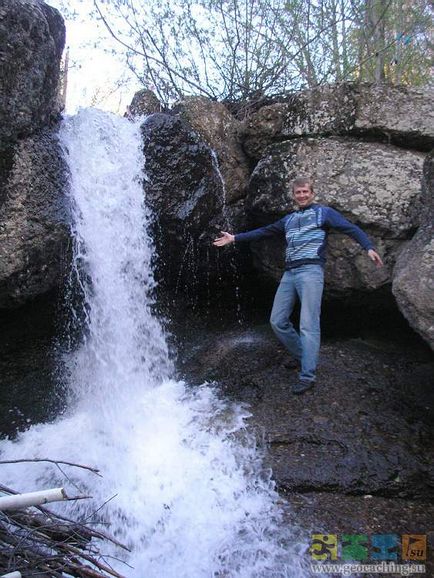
(335, 220)
(277, 228)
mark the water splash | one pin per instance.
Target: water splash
(183, 481)
(229, 227)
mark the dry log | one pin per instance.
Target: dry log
(20, 501)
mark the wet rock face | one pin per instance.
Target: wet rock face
(182, 188)
(364, 428)
(33, 221)
(396, 115)
(32, 36)
(413, 276)
(373, 185)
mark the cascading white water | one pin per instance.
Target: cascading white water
(191, 499)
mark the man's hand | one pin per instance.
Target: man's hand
(374, 256)
(225, 239)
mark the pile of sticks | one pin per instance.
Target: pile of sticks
(36, 542)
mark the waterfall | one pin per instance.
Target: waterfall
(182, 483)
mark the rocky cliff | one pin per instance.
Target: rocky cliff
(33, 231)
(365, 147)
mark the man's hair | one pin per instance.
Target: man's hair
(300, 181)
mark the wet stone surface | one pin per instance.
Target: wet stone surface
(366, 427)
(351, 456)
(29, 382)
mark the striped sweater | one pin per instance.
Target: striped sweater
(306, 232)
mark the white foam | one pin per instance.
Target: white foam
(191, 497)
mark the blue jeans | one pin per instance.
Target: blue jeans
(306, 282)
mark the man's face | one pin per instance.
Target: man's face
(303, 196)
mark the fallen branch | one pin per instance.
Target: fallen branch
(39, 542)
(32, 543)
(56, 462)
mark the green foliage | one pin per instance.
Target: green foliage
(405, 46)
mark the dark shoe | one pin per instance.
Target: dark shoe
(301, 387)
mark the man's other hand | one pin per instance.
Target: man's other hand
(225, 239)
(374, 256)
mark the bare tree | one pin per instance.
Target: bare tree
(247, 49)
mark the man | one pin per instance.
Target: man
(305, 230)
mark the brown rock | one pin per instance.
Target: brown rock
(144, 102)
(215, 124)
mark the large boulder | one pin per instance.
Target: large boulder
(398, 115)
(32, 36)
(221, 131)
(33, 231)
(185, 193)
(413, 276)
(34, 228)
(374, 185)
(182, 187)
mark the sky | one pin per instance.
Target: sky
(94, 71)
